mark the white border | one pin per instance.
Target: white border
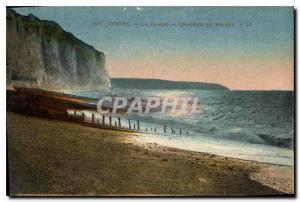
(151, 3)
(5, 3)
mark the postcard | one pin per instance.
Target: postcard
(150, 101)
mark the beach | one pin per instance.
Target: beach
(51, 157)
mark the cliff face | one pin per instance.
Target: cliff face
(41, 54)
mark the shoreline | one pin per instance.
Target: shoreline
(179, 144)
(140, 143)
(281, 182)
(130, 169)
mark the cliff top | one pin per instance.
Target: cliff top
(50, 27)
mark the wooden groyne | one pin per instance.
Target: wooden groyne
(54, 105)
(98, 121)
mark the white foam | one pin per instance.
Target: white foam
(254, 152)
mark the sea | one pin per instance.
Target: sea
(249, 125)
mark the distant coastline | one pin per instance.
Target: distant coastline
(137, 83)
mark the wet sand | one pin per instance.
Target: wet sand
(49, 157)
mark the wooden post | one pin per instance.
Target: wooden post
(103, 120)
(115, 123)
(180, 130)
(93, 118)
(82, 117)
(187, 132)
(146, 129)
(138, 125)
(74, 112)
(119, 122)
(154, 129)
(129, 124)
(165, 129)
(110, 120)
(133, 126)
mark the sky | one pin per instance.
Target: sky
(243, 48)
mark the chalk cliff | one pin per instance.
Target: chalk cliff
(40, 53)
